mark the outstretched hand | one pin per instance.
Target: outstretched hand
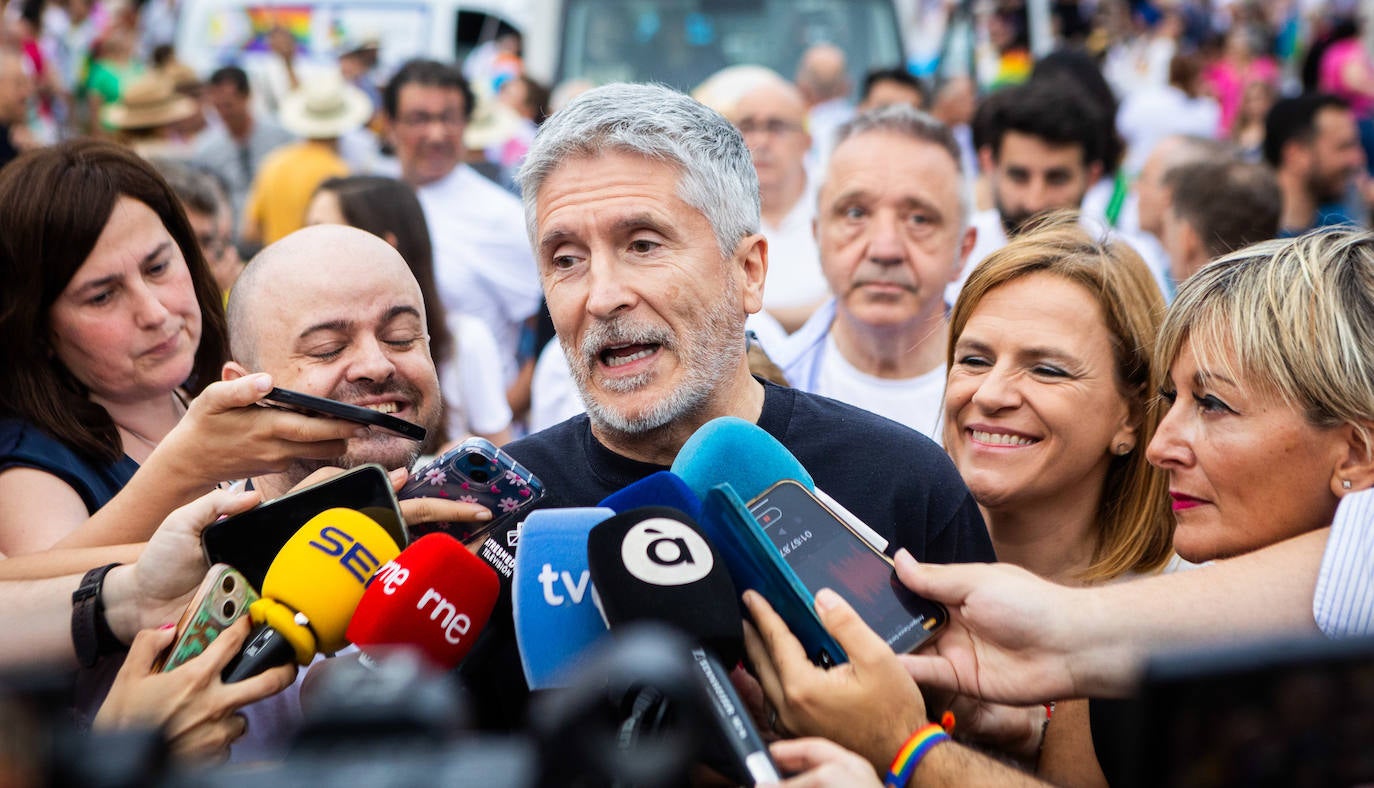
(869, 704)
(227, 435)
(1004, 640)
(194, 708)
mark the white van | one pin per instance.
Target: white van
(681, 42)
(213, 33)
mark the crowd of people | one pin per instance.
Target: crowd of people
(1084, 344)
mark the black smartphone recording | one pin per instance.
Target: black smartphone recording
(250, 541)
(319, 406)
(825, 553)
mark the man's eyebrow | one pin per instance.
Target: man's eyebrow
(638, 221)
(398, 311)
(328, 325)
(552, 238)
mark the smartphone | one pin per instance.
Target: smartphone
(474, 471)
(826, 553)
(251, 540)
(754, 564)
(223, 597)
(319, 406)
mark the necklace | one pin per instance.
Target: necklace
(152, 444)
(180, 406)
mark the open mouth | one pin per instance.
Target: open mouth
(383, 407)
(620, 355)
(1001, 438)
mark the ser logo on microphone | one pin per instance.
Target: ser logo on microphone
(665, 552)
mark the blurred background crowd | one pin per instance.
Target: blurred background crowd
(249, 107)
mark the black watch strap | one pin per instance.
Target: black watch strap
(91, 633)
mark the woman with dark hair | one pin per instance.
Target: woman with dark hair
(470, 378)
(112, 322)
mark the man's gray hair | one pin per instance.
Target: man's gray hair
(717, 172)
(906, 121)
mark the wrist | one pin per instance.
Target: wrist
(912, 753)
(1100, 658)
(122, 609)
(92, 637)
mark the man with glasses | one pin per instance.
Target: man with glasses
(772, 118)
(203, 197)
(482, 258)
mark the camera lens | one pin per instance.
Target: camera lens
(229, 608)
(480, 476)
(227, 584)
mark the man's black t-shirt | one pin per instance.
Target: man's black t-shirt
(893, 478)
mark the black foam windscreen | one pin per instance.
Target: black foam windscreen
(655, 564)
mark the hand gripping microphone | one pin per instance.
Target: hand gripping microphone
(311, 590)
(652, 564)
(435, 597)
(551, 594)
(729, 450)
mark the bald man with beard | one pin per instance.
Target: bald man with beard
(334, 312)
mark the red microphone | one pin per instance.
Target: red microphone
(435, 597)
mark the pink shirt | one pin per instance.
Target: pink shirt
(1329, 79)
(1228, 82)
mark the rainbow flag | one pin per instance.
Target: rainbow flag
(263, 19)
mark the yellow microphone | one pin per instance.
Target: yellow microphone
(311, 590)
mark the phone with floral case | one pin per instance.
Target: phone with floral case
(474, 471)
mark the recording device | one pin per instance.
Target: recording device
(826, 553)
(310, 405)
(663, 488)
(729, 450)
(556, 621)
(755, 565)
(250, 541)
(474, 471)
(652, 564)
(223, 597)
(434, 597)
(311, 591)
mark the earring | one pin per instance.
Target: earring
(1123, 448)
(1345, 484)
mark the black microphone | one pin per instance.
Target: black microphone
(654, 564)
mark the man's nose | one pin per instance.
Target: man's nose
(371, 361)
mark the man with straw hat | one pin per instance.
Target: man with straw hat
(147, 114)
(320, 111)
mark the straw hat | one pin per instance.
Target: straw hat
(149, 102)
(324, 107)
(492, 123)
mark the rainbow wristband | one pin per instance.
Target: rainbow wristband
(909, 756)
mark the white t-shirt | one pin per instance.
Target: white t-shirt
(482, 260)
(794, 263)
(915, 402)
(474, 390)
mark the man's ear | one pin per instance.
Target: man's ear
(966, 245)
(232, 370)
(1357, 467)
(752, 258)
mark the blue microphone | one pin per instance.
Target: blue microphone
(742, 454)
(556, 620)
(663, 488)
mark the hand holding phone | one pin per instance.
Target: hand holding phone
(826, 553)
(223, 597)
(474, 471)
